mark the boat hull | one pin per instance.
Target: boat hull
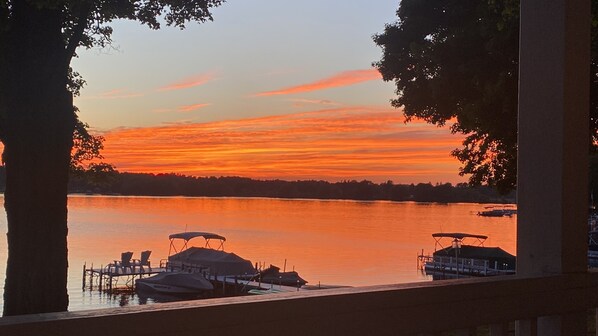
(175, 283)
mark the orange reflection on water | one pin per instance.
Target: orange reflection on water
(332, 242)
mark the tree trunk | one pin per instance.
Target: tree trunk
(37, 128)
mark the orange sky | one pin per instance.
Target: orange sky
(332, 144)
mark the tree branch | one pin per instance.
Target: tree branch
(78, 31)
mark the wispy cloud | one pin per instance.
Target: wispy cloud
(305, 102)
(342, 79)
(189, 108)
(115, 94)
(189, 82)
(332, 144)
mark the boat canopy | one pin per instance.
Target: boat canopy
(190, 235)
(186, 236)
(458, 235)
(457, 239)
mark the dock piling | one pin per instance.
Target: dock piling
(84, 272)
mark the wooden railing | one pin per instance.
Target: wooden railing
(405, 309)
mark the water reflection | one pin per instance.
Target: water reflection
(328, 242)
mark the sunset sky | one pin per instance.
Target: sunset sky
(270, 89)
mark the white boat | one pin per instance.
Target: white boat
(175, 283)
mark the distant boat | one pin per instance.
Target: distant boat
(466, 260)
(502, 212)
(175, 283)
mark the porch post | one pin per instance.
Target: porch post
(553, 143)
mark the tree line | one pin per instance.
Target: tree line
(143, 184)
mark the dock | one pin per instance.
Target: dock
(113, 280)
(239, 285)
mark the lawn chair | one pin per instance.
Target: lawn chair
(120, 266)
(144, 261)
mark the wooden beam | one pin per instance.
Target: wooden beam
(381, 310)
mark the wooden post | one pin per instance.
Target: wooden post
(91, 275)
(101, 279)
(553, 147)
(83, 281)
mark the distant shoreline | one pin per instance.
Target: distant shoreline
(281, 198)
(173, 185)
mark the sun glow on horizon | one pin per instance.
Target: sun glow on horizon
(331, 144)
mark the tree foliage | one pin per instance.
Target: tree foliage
(456, 62)
(38, 127)
(86, 147)
(86, 157)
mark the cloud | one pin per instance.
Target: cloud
(115, 94)
(189, 108)
(189, 82)
(304, 102)
(342, 79)
(331, 144)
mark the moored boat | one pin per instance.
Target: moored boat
(466, 256)
(175, 283)
(273, 275)
(208, 260)
(501, 212)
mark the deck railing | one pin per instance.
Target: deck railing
(426, 308)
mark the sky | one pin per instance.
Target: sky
(269, 89)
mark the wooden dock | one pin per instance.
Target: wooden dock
(110, 279)
(248, 286)
(115, 279)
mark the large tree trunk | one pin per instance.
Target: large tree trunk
(37, 127)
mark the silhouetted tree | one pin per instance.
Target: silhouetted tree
(456, 62)
(38, 39)
(86, 147)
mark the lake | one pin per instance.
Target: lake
(336, 242)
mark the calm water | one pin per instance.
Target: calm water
(331, 242)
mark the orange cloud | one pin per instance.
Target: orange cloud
(189, 108)
(189, 82)
(332, 144)
(342, 79)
